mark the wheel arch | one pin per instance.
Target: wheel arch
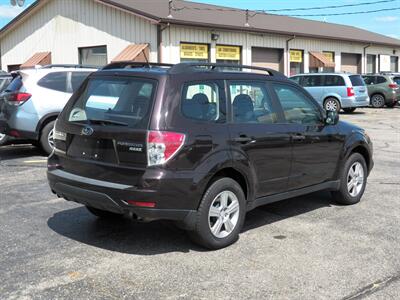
(46, 119)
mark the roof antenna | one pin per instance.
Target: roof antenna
(247, 19)
(170, 8)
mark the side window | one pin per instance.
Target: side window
(369, 80)
(297, 107)
(296, 79)
(380, 79)
(55, 81)
(311, 81)
(251, 103)
(203, 101)
(77, 78)
(334, 80)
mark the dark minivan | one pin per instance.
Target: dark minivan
(200, 144)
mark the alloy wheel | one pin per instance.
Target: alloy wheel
(223, 215)
(378, 101)
(355, 179)
(50, 138)
(331, 105)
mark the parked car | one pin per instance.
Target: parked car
(383, 89)
(5, 79)
(335, 91)
(200, 145)
(32, 101)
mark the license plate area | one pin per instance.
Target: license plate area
(92, 149)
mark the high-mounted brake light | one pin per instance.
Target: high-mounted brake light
(162, 146)
(18, 98)
(350, 92)
(393, 86)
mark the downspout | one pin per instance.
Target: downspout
(160, 30)
(365, 58)
(288, 54)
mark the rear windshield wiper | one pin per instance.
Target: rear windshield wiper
(105, 122)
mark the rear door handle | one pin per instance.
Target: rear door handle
(298, 137)
(243, 139)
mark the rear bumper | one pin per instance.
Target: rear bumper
(353, 102)
(113, 197)
(19, 124)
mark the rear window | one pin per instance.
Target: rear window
(4, 82)
(356, 80)
(115, 101)
(397, 80)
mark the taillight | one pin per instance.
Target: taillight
(18, 98)
(393, 86)
(162, 146)
(350, 92)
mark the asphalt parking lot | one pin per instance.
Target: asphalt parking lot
(302, 248)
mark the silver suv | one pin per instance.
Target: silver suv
(32, 101)
(335, 91)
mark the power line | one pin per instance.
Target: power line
(331, 7)
(345, 13)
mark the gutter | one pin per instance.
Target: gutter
(288, 54)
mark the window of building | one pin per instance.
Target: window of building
(296, 106)
(394, 63)
(296, 62)
(96, 56)
(204, 101)
(194, 52)
(228, 54)
(371, 63)
(11, 68)
(251, 103)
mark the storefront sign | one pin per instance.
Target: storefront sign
(296, 56)
(194, 51)
(228, 53)
(329, 55)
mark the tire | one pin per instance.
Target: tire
(332, 104)
(352, 195)
(3, 139)
(208, 218)
(103, 214)
(46, 138)
(378, 101)
(349, 110)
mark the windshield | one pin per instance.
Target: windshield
(114, 102)
(356, 80)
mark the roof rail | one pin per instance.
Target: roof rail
(134, 64)
(187, 67)
(69, 66)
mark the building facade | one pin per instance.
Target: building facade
(97, 32)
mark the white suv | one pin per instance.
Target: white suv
(31, 103)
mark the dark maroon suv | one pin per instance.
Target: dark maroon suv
(200, 144)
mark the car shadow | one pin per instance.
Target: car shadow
(353, 113)
(126, 236)
(15, 151)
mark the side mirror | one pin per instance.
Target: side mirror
(332, 117)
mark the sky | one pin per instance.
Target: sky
(386, 22)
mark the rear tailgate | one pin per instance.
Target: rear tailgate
(359, 87)
(102, 132)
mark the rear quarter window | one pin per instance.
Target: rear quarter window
(380, 79)
(56, 81)
(356, 80)
(334, 80)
